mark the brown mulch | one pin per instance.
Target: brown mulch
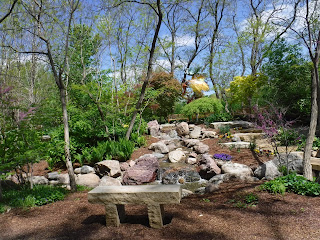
(219, 215)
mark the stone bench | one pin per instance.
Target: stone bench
(154, 196)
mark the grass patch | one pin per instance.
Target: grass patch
(25, 197)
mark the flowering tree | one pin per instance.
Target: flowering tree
(273, 123)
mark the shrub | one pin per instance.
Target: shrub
(292, 183)
(26, 197)
(218, 117)
(203, 106)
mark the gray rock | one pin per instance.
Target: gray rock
(40, 180)
(108, 167)
(236, 144)
(249, 137)
(176, 156)
(232, 124)
(173, 134)
(182, 129)
(85, 169)
(295, 161)
(236, 138)
(64, 179)
(172, 147)
(201, 148)
(217, 179)
(180, 175)
(201, 190)
(160, 147)
(88, 180)
(158, 155)
(268, 170)
(191, 142)
(209, 134)
(45, 138)
(109, 181)
(195, 133)
(77, 170)
(167, 127)
(53, 176)
(154, 128)
(237, 169)
(191, 127)
(193, 155)
(191, 160)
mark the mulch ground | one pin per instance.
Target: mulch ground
(219, 215)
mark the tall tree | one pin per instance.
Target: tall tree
(308, 31)
(157, 10)
(54, 18)
(216, 10)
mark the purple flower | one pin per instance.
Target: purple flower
(222, 156)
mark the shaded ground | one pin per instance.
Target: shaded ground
(214, 216)
(220, 215)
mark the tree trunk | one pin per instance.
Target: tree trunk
(307, 169)
(146, 81)
(67, 140)
(0, 191)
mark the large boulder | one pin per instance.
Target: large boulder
(209, 134)
(108, 167)
(208, 167)
(268, 170)
(182, 129)
(88, 180)
(64, 179)
(232, 124)
(195, 133)
(176, 156)
(85, 169)
(240, 171)
(53, 176)
(294, 160)
(180, 175)
(201, 148)
(144, 171)
(40, 180)
(109, 181)
(236, 145)
(191, 142)
(160, 147)
(154, 128)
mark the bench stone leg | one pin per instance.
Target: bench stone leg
(114, 213)
(156, 215)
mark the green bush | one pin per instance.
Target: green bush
(26, 197)
(218, 117)
(287, 137)
(202, 106)
(292, 183)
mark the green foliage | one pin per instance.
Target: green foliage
(315, 144)
(287, 71)
(203, 105)
(251, 198)
(218, 117)
(26, 197)
(244, 89)
(292, 183)
(167, 91)
(224, 129)
(287, 137)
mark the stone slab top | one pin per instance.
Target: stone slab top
(141, 194)
(136, 189)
